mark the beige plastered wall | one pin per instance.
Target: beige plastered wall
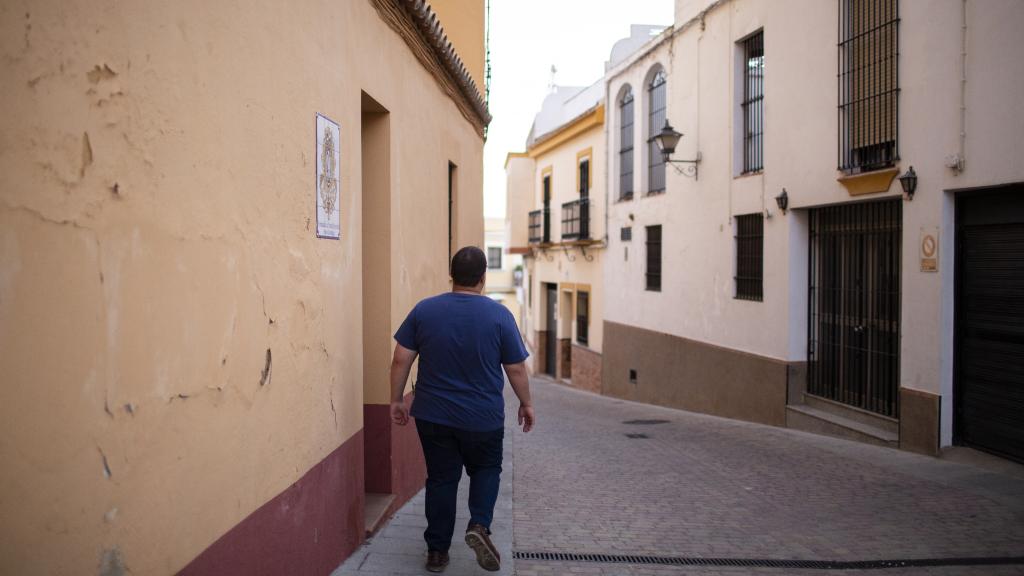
(157, 238)
(567, 266)
(696, 300)
(463, 22)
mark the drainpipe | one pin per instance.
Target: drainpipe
(958, 166)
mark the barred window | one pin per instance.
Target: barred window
(655, 122)
(653, 275)
(626, 233)
(868, 84)
(750, 257)
(582, 317)
(753, 103)
(626, 145)
(494, 257)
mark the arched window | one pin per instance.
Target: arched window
(656, 120)
(626, 144)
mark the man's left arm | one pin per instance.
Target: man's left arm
(401, 364)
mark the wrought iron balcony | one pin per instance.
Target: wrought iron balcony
(537, 227)
(576, 220)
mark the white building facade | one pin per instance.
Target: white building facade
(783, 275)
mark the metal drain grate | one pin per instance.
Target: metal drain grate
(769, 563)
(645, 422)
(636, 435)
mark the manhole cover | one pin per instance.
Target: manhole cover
(635, 436)
(645, 422)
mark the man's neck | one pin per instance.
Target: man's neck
(467, 289)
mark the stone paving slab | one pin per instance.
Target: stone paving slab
(703, 486)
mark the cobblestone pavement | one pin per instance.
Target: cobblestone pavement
(700, 486)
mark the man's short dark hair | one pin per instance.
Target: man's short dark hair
(468, 266)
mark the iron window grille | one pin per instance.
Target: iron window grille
(582, 317)
(494, 257)
(536, 225)
(626, 233)
(868, 84)
(853, 349)
(576, 220)
(750, 257)
(626, 146)
(655, 122)
(753, 103)
(653, 245)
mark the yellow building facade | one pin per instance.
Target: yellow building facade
(556, 204)
(195, 373)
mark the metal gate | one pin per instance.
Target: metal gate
(989, 381)
(853, 348)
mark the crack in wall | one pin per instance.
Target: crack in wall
(267, 368)
(106, 466)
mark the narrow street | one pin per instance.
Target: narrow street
(609, 477)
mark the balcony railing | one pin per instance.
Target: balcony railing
(576, 220)
(536, 226)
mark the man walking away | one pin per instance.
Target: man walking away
(463, 340)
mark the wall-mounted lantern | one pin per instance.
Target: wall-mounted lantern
(667, 140)
(782, 200)
(909, 183)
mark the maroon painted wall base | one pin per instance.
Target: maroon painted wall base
(308, 529)
(393, 459)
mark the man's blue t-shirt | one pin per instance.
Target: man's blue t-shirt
(462, 340)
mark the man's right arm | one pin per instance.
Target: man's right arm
(520, 382)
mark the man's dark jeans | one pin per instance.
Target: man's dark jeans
(446, 451)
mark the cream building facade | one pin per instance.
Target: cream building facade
(194, 382)
(783, 275)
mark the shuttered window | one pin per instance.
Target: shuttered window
(653, 245)
(626, 145)
(656, 120)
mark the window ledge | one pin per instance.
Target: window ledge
(869, 182)
(654, 193)
(743, 175)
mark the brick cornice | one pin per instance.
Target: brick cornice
(421, 29)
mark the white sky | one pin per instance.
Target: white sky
(527, 38)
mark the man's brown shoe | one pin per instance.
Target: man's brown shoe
(486, 554)
(436, 561)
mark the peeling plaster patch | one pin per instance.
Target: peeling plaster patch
(106, 467)
(265, 374)
(115, 191)
(86, 154)
(98, 73)
(111, 563)
(106, 408)
(110, 516)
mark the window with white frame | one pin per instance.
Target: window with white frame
(494, 257)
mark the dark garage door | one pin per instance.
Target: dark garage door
(989, 394)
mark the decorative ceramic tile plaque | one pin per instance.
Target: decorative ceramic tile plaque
(328, 178)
